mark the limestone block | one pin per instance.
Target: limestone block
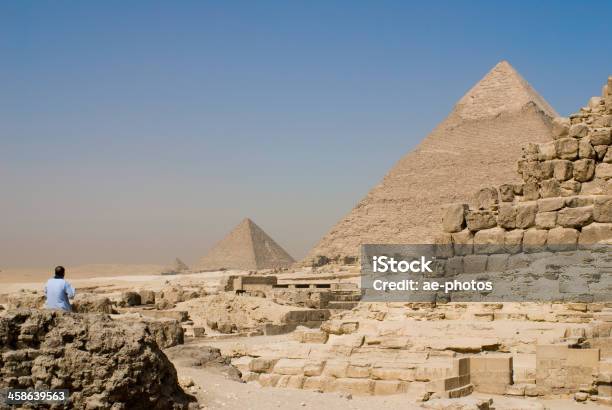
(354, 386)
(489, 240)
(261, 365)
(268, 379)
(518, 189)
(571, 187)
(560, 127)
(550, 188)
(575, 217)
(497, 262)
(335, 368)
(393, 373)
(562, 239)
(584, 170)
(583, 358)
(242, 363)
(578, 131)
(313, 367)
(506, 192)
(146, 297)
(130, 299)
(506, 217)
(531, 191)
(319, 383)
(603, 171)
(474, 263)
(586, 150)
(385, 387)
(485, 198)
(534, 240)
(567, 148)
(525, 215)
(290, 382)
(463, 242)
(550, 204)
(358, 371)
(547, 151)
(289, 366)
(595, 233)
(579, 200)
(513, 241)
(602, 209)
(606, 155)
(314, 336)
(602, 152)
(394, 342)
(546, 220)
(562, 169)
(454, 217)
(601, 136)
(478, 220)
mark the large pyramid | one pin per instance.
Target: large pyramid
(247, 246)
(476, 145)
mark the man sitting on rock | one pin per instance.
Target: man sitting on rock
(58, 291)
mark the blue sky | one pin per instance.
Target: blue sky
(134, 132)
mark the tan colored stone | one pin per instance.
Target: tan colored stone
(601, 137)
(586, 150)
(550, 188)
(567, 148)
(595, 232)
(575, 217)
(513, 241)
(547, 151)
(578, 131)
(485, 198)
(489, 240)
(454, 217)
(525, 215)
(584, 170)
(562, 169)
(560, 127)
(506, 217)
(531, 191)
(506, 192)
(534, 240)
(561, 239)
(478, 220)
(463, 242)
(546, 220)
(603, 171)
(550, 204)
(571, 187)
(602, 209)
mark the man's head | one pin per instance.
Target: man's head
(59, 272)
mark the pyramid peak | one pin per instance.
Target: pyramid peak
(501, 90)
(247, 246)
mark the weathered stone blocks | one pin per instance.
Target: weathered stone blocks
(454, 217)
(602, 209)
(567, 148)
(575, 217)
(478, 220)
(584, 170)
(525, 215)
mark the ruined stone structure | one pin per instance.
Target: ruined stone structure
(565, 199)
(481, 137)
(247, 246)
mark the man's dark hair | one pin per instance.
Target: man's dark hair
(59, 272)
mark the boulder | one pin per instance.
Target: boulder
(454, 217)
(130, 299)
(104, 363)
(92, 303)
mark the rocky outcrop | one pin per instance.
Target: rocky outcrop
(104, 363)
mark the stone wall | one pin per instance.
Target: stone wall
(564, 201)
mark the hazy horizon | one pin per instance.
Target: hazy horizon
(138, 132)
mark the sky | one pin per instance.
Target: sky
(135, 132)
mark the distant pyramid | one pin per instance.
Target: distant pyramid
(246, 247)
(477, 144)
(177, 267)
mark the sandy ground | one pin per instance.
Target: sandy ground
(26, 275)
